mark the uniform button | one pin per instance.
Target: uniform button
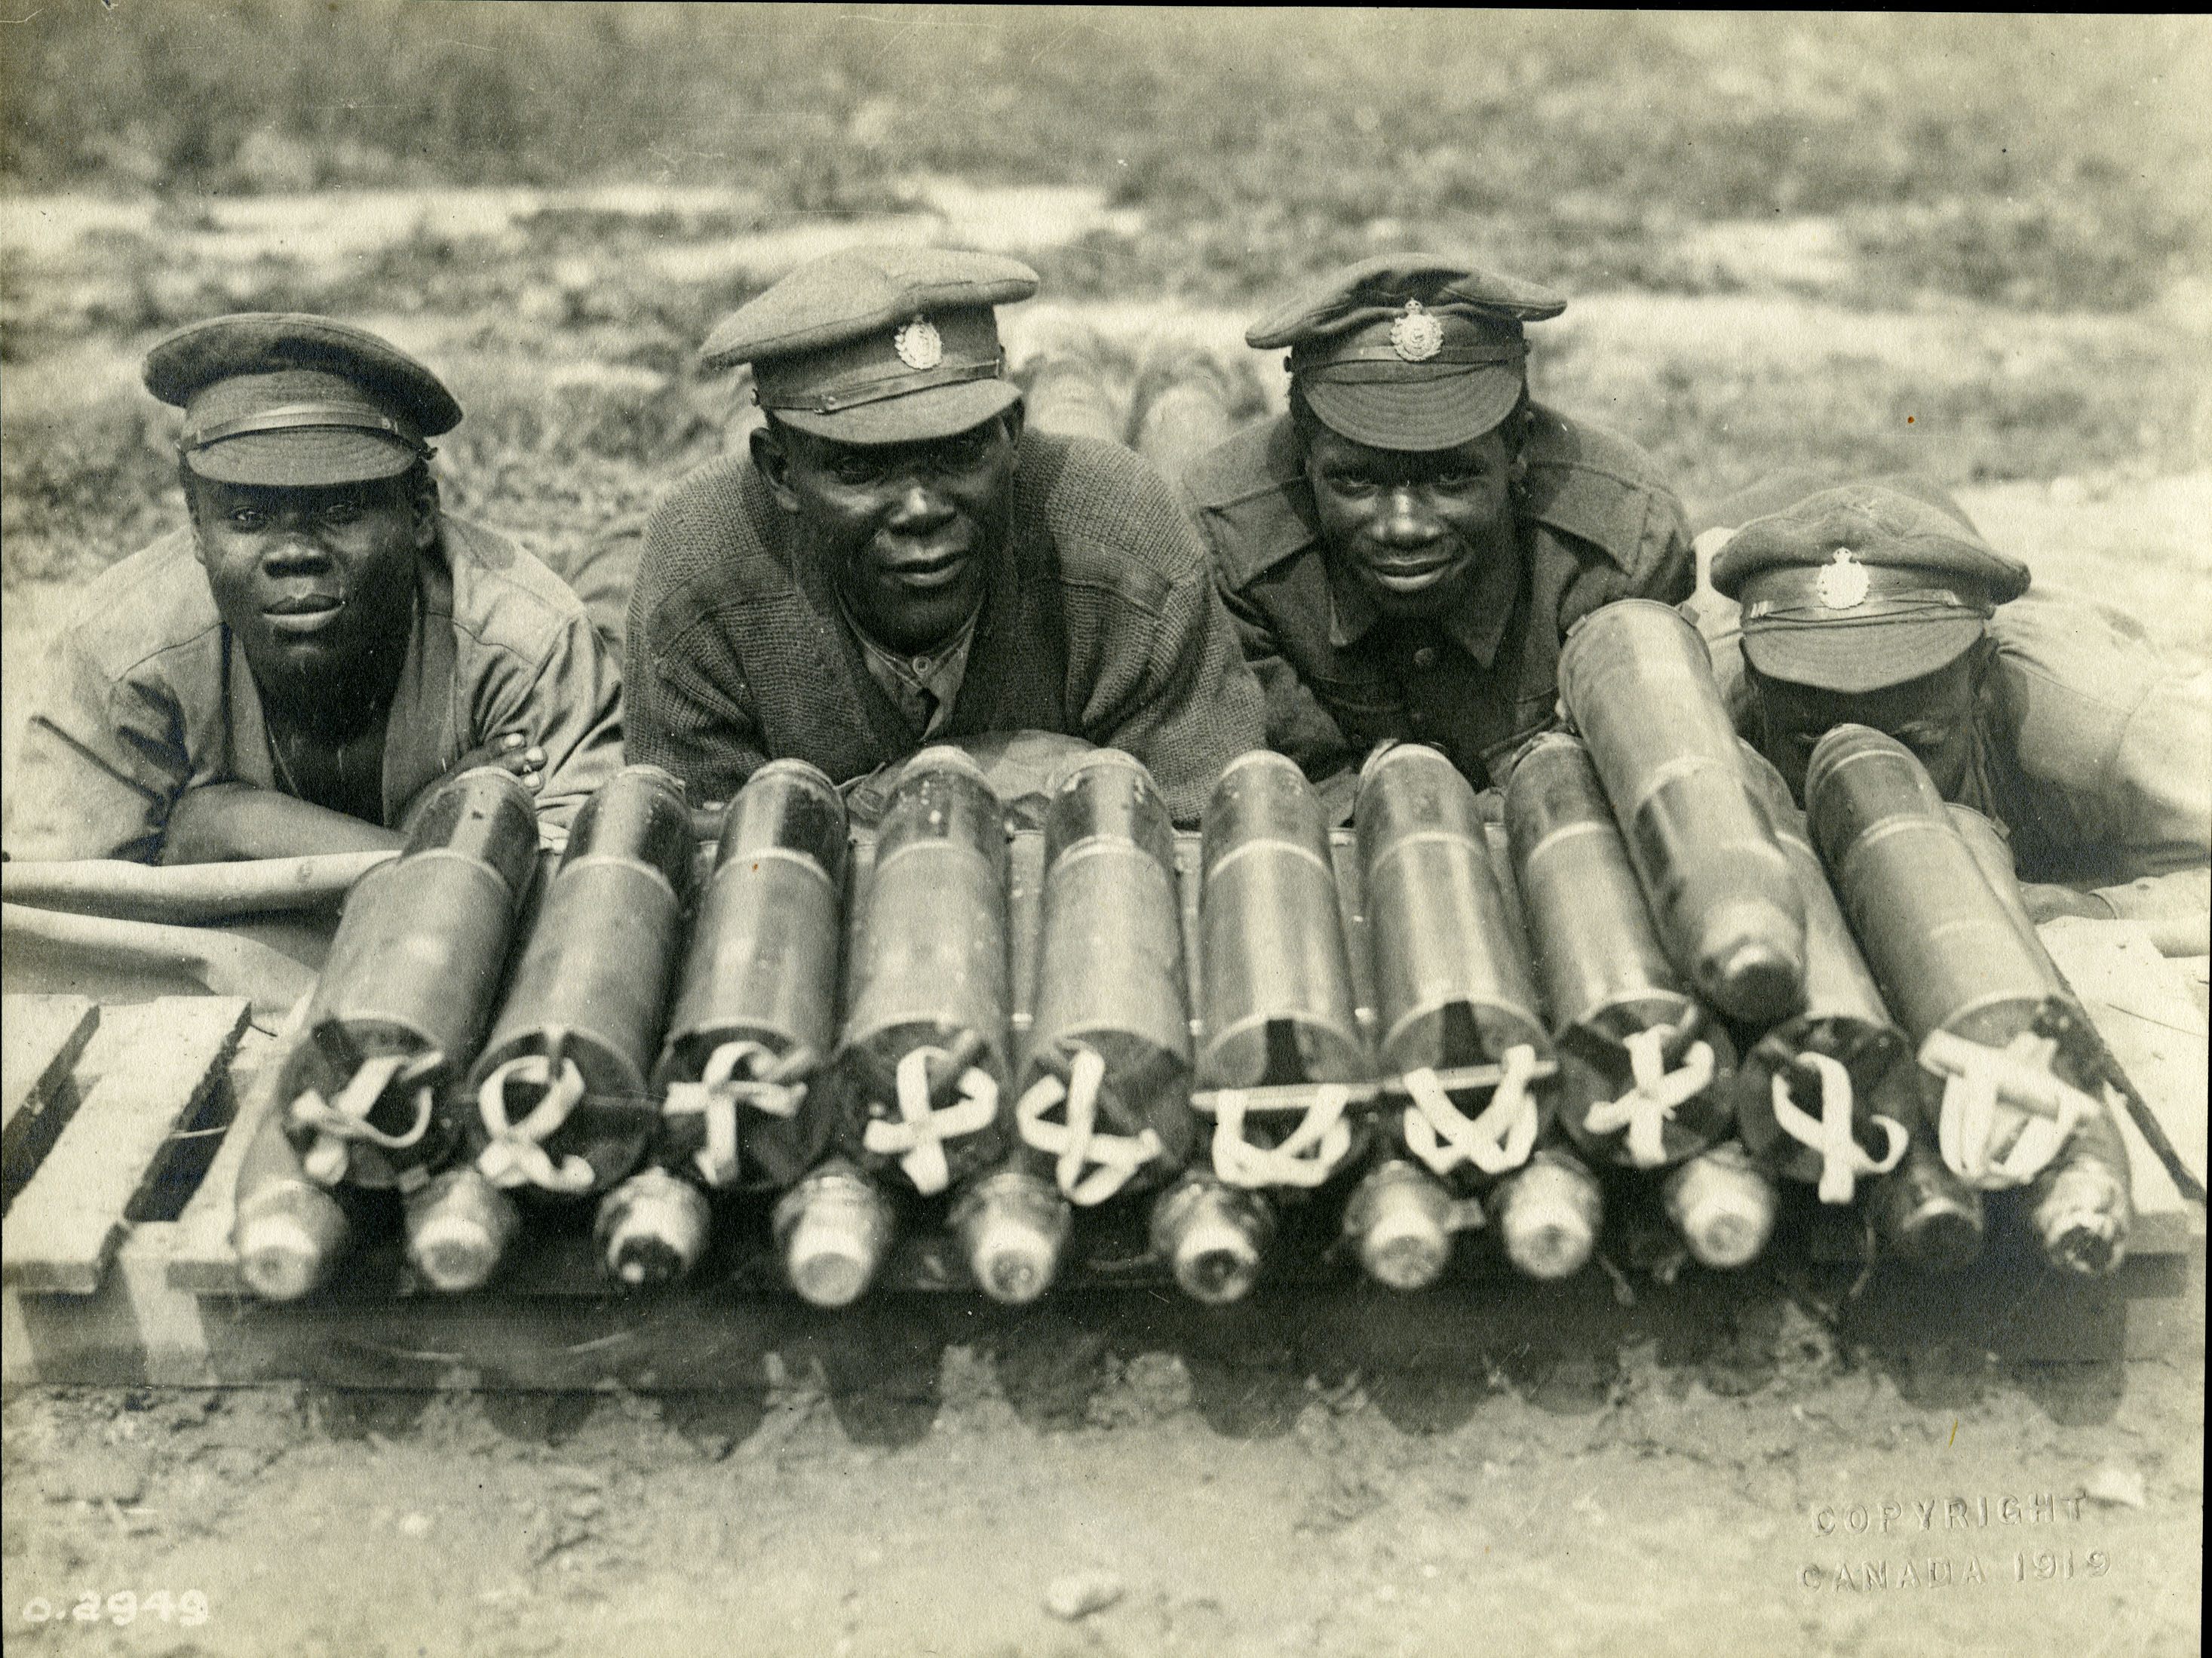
(1425, 656)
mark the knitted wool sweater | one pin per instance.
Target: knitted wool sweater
(1100, 622)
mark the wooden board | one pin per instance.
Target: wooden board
(713, 1337)
(2141, 1005)
(198, 1256)
(40, 1038)
(158, 1066)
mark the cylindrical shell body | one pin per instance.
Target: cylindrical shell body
(1639, 683)
(928, 965)
(1109, 964)
(763, 958)
(1452, 985)
(416, 963)
(1945, 950)
(1843, 1018)
(1605, 975)
(592, 985)
(1993, 858)
(1277, 979)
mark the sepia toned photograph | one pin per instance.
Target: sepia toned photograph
(900, 830)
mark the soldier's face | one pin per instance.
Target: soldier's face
(318, 584)
(907, 530)
(1413, 526)
(1932, 716)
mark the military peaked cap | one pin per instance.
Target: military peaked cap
(278, 398)
(880, 345)
(1406, 352)
(1865, 586)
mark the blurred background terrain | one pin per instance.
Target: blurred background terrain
(1976, 246)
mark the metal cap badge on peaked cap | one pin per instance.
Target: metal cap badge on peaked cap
(292, 400)
(880, 345)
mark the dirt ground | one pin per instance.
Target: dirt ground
(925, 1477)
(931, 1477)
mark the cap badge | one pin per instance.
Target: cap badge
(1416, 336)
(1843, 581)
(918, 344)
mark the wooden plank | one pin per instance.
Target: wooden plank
(19, 1359)
(200, 1258)
(2141, 1005)
(171, 1335)
(2195, 972)
(40, 1038)
(163, 1060)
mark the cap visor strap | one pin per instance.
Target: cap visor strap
(881, 390)
(299, 417)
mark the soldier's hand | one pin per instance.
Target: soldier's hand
(514, 753)
(2047, 903)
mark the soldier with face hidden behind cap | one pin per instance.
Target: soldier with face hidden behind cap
(897, 562)
(1405, 549)
(289, 673)
(1880, 603)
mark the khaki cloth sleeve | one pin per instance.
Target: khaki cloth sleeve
(103, 761)
(571, 707)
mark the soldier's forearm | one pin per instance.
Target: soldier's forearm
(223, 822)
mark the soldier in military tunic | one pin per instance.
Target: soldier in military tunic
(1404, 551)
(1880, 603)
(897, 561)
(288, 673)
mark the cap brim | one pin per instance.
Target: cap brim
(301, 458)
(1855, 659)
(941, 412)
(1413, 414)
